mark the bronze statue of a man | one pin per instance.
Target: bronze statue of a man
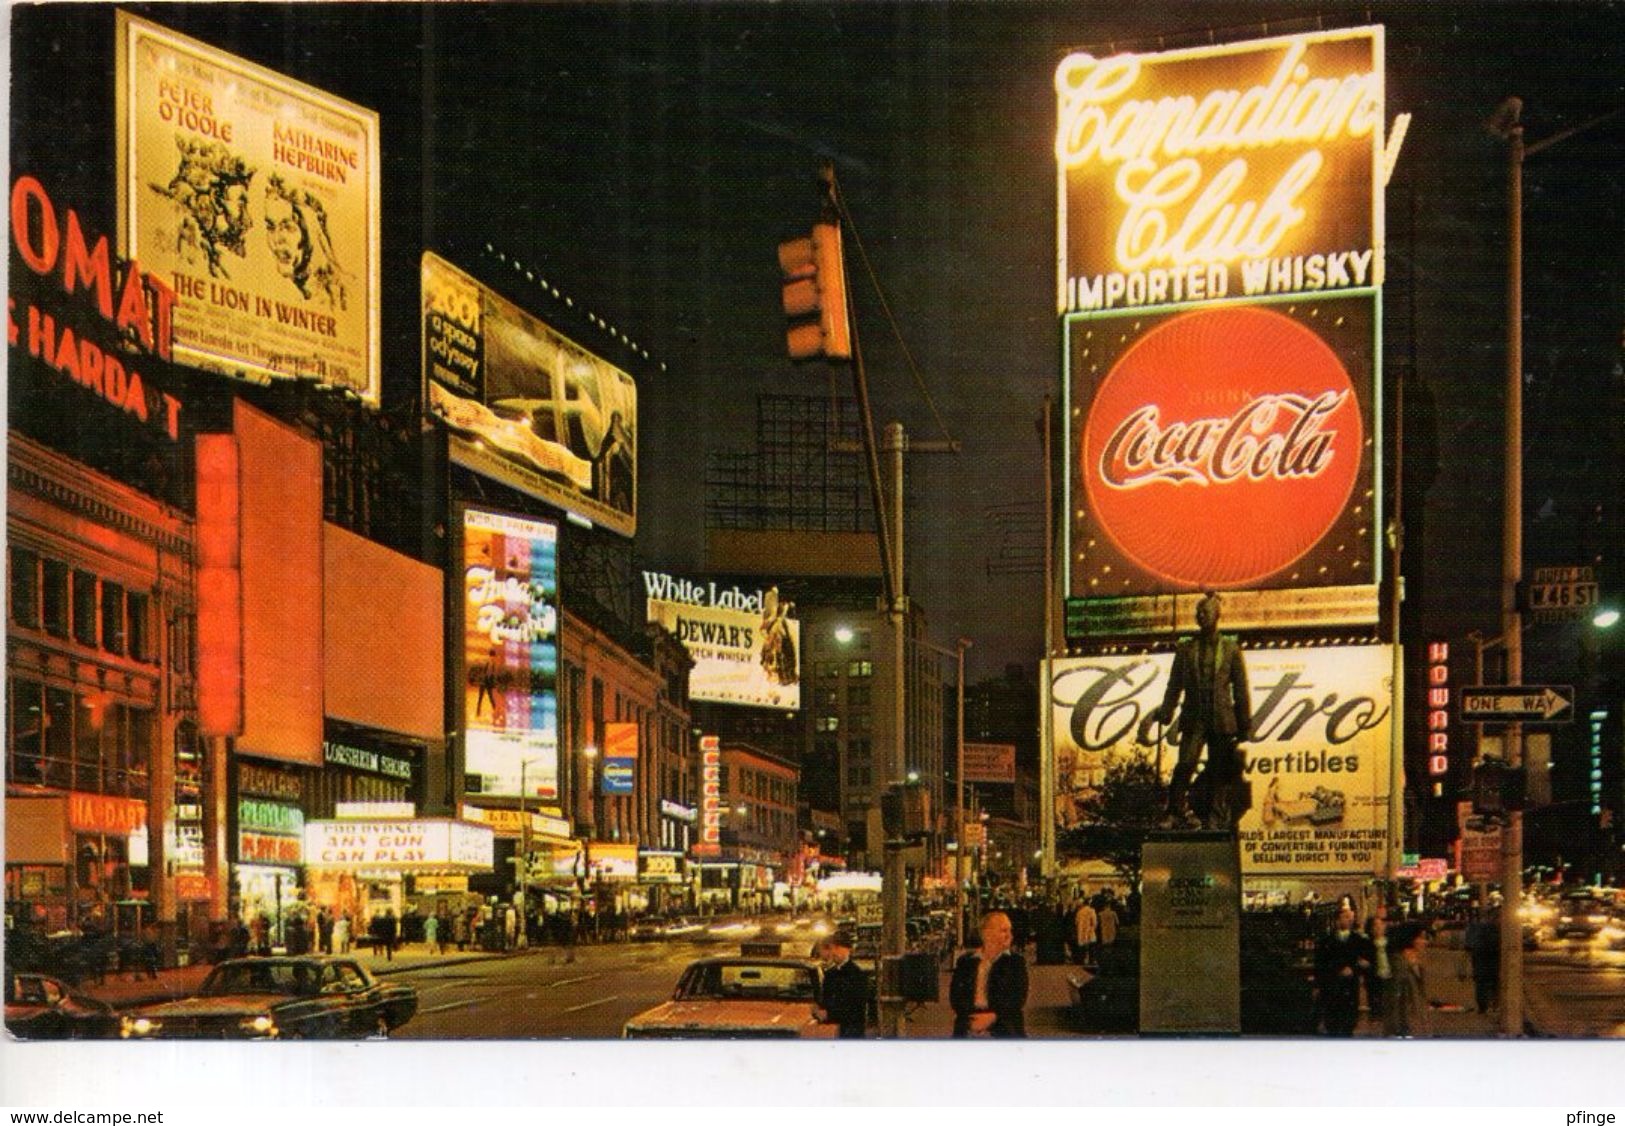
(1211, 675)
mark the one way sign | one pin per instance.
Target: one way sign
(1541, 703)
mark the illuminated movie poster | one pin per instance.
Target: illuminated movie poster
(746, 644)
(528, 406)
(256, 199)
(1317, 758)
(510, 655)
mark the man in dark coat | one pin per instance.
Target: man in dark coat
(1210, 673)
(1342, 958)
(846, 988)
(989, 987)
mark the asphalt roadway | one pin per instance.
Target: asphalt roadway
(1572, 990)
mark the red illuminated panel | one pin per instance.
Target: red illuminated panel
(620, 740)
(384, 637)
(219, 588)
(1221, 447)
(281, 473)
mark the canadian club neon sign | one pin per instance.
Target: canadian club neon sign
(1221, 447)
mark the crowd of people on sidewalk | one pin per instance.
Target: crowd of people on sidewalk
(1382, 966)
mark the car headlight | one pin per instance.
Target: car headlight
(130, 1028)
(261, 1025)
(820, 928)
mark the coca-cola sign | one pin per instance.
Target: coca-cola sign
(1223, 448)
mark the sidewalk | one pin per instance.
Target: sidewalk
(1048, 1013)
(124, 990)
(1449, 979)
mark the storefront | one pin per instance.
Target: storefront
(269, 821)
(663, 876)
(555, 875)
(360, 868)
(95, 571)
(77, 859)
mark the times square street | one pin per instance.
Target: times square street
(1574, 990)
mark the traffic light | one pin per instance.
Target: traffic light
(905, 811)
(1497, 788)
(815, 295)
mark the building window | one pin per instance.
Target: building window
(85, 743)
(859, 696)
(88, 722)
(828, 670)
(25, 588)
(860, 668)
(58, 738)
(54, 597)
(113, 631)
(829, 723)
(861, 721)
(138, 615)
(26, 741)
(84, 607)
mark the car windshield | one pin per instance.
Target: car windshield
(755, 981)
(292, 978)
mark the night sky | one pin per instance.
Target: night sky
(646, 160)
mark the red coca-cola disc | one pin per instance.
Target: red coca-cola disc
(1221, 447)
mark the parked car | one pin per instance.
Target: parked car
(43, 1008)
(739, 998)
(272, 998)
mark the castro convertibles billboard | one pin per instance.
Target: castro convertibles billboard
(256, 199)
(509, 696)
(528, 406)
(1220, 238)
(746, 644)
(1317, 756)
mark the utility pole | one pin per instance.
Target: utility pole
(1505, 124)
(894, 890)
(814, 297)
(1512, 575)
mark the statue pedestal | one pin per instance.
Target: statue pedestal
(1190, 934)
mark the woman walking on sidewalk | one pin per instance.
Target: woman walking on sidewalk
(1405, 1012)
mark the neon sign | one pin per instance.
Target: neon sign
(1240, 170)
(1438, 708)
